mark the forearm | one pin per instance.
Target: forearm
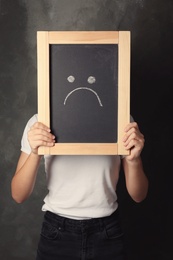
(136, 180)
(24, 179)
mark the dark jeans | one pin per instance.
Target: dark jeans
(67, 239)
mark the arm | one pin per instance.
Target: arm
(23, 181)
(136, 180)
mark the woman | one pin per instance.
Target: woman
(81, 218)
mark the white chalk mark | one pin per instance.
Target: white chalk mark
(71, 79)
(91, 80)
(83, 88)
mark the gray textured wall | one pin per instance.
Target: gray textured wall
(149, 225)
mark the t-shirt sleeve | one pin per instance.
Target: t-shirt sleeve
(25, 147)
(131, 119)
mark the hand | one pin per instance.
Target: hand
(39, 135)
(133, 141)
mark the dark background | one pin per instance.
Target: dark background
(148, 226)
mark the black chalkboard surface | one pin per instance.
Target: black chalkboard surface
(84, 88)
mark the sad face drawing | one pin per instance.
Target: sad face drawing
(83, 93)
(91, 80)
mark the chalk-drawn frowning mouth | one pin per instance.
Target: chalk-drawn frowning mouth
(90, 80)
(83, 88)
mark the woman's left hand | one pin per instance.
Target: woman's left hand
(133, 140)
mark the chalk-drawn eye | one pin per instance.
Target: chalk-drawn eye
(91, 80)
(71, 79)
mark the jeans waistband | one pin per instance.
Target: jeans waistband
(78, 226)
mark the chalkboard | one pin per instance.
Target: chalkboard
(79, 93)
(84, 107)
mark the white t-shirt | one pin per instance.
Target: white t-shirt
(79, 187)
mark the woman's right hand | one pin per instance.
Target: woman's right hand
(40, 135)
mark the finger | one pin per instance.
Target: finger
(39, 125)
(39, 143)
(132, 131)
(133, 135)
(131, 125)
(135, 145)
(40, 131)
(131, 144)
(41, 137)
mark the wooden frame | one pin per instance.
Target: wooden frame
(122, 38)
